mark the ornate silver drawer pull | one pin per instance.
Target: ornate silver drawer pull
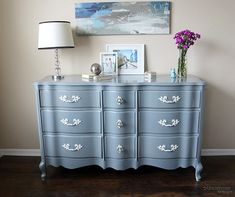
(65, 122)
(174, 147)
(120, 149)
(119, 124)
(73, 99)
(164, 99)
(174, 122)
(120, 100)
(78, 147)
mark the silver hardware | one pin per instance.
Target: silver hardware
(73, 99)
(164, 99)
(174, 122)
(120, 149)
(119, 124)
(119, 100)
(78, 147)
(174, 147)
(65, 121)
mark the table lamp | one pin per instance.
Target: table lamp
(55, 35)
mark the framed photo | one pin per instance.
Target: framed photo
(109, 63)
(130, 57)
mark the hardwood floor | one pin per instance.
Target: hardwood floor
(20, 176)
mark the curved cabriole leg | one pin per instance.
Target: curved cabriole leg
(198, 170)
(42, 167)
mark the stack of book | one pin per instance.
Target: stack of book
(94, 77)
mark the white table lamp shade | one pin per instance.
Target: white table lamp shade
(55, 34)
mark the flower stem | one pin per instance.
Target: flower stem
(182, 69)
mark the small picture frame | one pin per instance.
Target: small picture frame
(130, 57)
(109, 63)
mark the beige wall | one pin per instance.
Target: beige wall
(212, 59)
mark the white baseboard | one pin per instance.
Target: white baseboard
(217, 152)
(20, 152)
(36, 152)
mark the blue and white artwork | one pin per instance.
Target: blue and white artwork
(127, 58)
(130, 57)
(123, 18)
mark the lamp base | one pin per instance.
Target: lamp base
(57, 77)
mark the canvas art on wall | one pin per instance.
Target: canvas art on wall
(123, 18)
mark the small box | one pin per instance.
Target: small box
(149, 76)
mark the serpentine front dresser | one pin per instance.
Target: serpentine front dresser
(121, 123)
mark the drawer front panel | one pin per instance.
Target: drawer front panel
(167, 147)
(168, 122)
(71, 121)
(119, 99)
(119, 147)
(169, 99)
(119, 122)
(72, 146)
(60, 98)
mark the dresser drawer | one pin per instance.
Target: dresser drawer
(71, 121)
(119, 147)
(60, 98)
(169, 99)
(168, 121)
(119, 99)
(119, 122)
(72, 146)
(167, 147)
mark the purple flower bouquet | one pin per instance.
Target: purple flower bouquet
(184, 39)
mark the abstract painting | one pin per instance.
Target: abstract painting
(123, 18)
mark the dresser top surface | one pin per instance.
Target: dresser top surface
(122, 80)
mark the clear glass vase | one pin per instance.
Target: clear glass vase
(182, 64)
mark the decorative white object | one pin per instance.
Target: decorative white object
(164, 99)
(174, 122)
(150, 76)
(65, 121)
(73, 99)
(174, 147)
(120, 148)
(55, 35)
(77, 147)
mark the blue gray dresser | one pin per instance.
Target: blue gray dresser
(121, 123)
